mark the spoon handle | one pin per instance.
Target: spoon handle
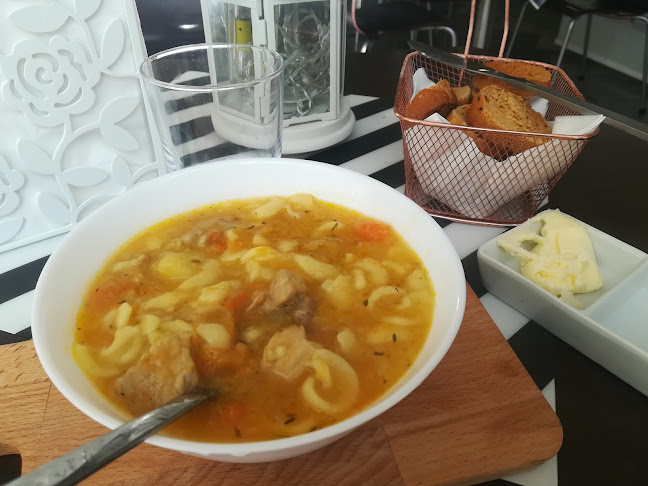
(85, 460)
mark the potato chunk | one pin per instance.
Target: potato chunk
(178, 265)
(215, 335)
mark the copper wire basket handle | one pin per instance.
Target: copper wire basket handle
(470, 32)
(472, 21)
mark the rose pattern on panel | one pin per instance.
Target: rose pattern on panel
(49, 82)
(11, 180)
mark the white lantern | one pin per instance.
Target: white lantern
(310, 36)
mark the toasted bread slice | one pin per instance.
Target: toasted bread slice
(519, 69)
(459, 116)
(463, 94)
(496, 108)
(435, 99)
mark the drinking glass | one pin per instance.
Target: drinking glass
(215, 101)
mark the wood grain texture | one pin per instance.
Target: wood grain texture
(24, 391)
(477, 416)
(479, 400)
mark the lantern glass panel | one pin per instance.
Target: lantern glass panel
(342, 18)
(302, 37)
(229, 23)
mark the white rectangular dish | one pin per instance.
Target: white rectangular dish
(612, 329)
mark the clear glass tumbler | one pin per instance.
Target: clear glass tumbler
(215, 101)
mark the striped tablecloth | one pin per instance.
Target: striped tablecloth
(375, 149)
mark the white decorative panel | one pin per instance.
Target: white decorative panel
(75, 125)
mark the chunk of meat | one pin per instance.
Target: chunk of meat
(303, 310)
(288, 352)
(162, 373)
(288, 292)
(284, 287)
(257, 299)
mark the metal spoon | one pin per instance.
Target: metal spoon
(85, 460)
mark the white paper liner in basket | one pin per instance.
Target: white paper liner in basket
(483, 196)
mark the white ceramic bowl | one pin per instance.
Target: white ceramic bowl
(80, 255)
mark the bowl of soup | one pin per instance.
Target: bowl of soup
(313, 298)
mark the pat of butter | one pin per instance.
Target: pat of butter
(562, 260)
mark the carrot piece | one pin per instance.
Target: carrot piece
(233, 412)
(371, 231)
(216, 240)
(236, 301)
(112, 293)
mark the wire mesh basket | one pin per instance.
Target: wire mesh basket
(449, 176)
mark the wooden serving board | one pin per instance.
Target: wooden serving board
(478, 416)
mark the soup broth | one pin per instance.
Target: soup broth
(300, 313)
